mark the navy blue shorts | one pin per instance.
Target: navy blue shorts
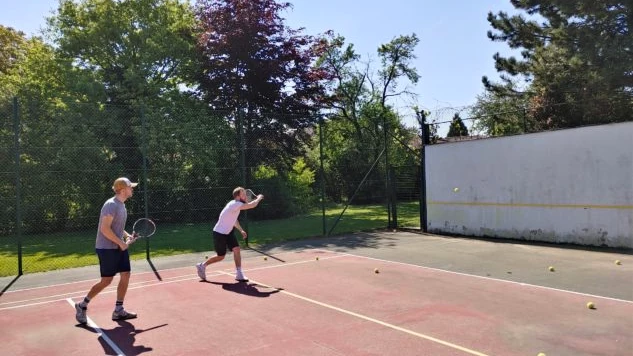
(113, 261)
(223, 241)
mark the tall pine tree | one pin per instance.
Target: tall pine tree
(576, 56)
(457, 128)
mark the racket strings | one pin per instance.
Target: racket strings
(144, 227)
(250, 196)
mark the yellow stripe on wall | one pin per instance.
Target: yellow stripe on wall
(528, 205)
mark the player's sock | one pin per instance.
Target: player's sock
(118, 306)
(84, 303)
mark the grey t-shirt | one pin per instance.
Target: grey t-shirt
(118, 211)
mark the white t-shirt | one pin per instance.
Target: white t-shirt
(228, 217)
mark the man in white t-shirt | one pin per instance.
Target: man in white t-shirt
(223, 237)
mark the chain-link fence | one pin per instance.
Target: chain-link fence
(59, 161)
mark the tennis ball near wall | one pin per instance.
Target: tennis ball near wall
(376, 270)
(455, 189)
(590, 305)
(617, 262)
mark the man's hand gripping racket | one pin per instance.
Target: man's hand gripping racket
(142, 228)
(250, 196)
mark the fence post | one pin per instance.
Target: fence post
(394, 197)
(322, 176)
(425, 140)
(144, 154)
(387, 185)
(18, 186)
(241, 127)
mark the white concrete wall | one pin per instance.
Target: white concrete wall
(567, 186)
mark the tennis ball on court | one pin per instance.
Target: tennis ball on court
(206, 257)
(376, 270)
(551, 268)
(456, 189)
(617, 262)
(265, 258)
(590, 305)
(317, 258)
(541, 354)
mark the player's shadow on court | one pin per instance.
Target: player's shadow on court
(124, 337)
(250, 289)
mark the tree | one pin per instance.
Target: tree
(137, 49)
(457, 128)
(253, 63)
(130, 53)
(358, 104)
(577, 60)
(497, 115)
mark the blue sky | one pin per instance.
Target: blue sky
(452, 56)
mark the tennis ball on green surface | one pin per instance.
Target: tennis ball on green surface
(456, 189)
(617, 262)
(376, 270)
(590, 305)
(551, 268)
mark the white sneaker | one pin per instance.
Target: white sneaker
(202, 273)
(123, 315)
(240, 277)
(80, 314)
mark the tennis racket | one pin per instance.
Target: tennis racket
(142, 227)
(250, 195)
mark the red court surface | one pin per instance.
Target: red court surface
(333, 305)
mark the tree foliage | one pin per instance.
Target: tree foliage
(457, 128)
(576, 59)
(251, 62)
(359, 104)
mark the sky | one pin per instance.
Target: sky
(452, 56)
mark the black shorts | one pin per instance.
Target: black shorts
(113, 261)
(223, 241)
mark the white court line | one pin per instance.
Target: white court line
(482, 277)
(107, 290)
(143, 284)
(94, 280)
(137, 285)
(370, 319)
(100, 332)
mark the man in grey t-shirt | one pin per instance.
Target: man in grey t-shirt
(111, 248)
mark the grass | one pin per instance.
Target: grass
(46, 252)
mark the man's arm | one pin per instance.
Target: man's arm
(106, 230)
(239, 228)
(252, 204)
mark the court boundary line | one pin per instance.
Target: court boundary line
(370, 319)
(94, 280)
(487, 278)
(100, 332)
(142, 284)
